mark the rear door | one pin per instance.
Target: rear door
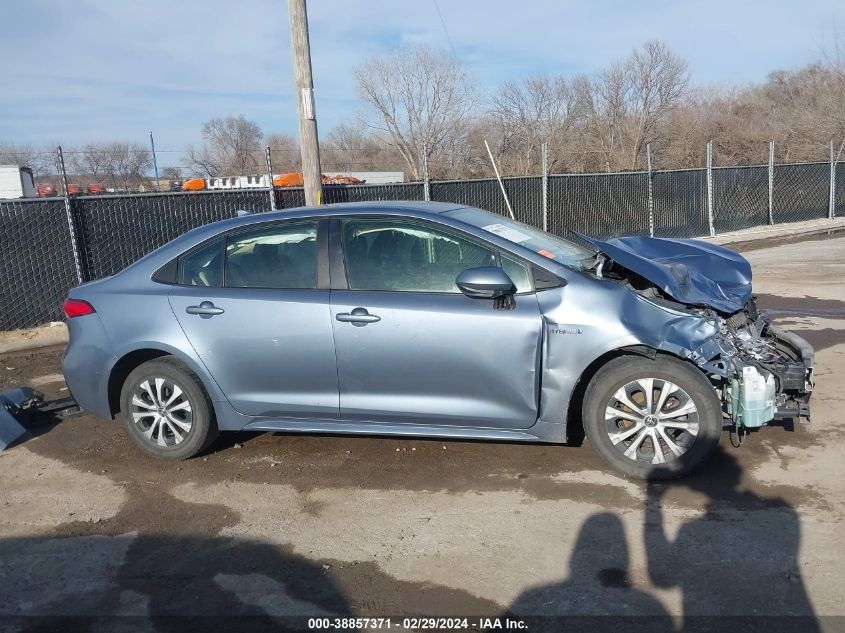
(411, 348)
(255, 306)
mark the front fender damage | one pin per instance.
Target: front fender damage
(582, 323)
(758, 373)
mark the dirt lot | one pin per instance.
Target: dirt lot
(280, 524)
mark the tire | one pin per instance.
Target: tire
(188, 426)
(687, 428)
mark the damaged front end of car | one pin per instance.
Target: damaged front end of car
(765, 373)
(761, 372)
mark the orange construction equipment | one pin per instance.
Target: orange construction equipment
(46, 191)
(293, 179)
(193, 184)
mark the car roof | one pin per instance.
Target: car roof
(352, 208)
(392, 207)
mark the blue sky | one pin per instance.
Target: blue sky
(96, 70)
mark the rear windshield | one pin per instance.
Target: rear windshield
(560, 250)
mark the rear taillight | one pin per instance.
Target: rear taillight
(77, 307)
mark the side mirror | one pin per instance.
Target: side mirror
(486, 282)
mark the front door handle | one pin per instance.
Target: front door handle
(206, 310)
(359, 317)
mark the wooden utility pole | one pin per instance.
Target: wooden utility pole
(309, 147)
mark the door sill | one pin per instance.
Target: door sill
(378, 428)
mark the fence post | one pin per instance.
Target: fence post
(710, 188)
(831, 211)
(426, 182)
(269, 160)
(771, 182)
(74, 243)
(650, 191)
(544, 160)
(155, 162)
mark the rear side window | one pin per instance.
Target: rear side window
(278, 256)
(202, 266)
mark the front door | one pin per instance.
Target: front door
(412, 349)
(251, 307)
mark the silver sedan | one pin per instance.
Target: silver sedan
(428, 319)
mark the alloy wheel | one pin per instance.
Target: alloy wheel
(651, 420)
(161, 411)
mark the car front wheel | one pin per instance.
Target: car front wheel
(652, 418)
(166, 410)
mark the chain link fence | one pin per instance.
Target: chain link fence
(839, 197)
(740, 197)
(525, 195)
(599, 205)
(801, 192)
(680, 203)
(112, 231)
(333, 194)
(36, 262)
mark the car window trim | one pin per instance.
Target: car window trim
(338, 252)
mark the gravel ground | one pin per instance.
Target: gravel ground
(279, 525)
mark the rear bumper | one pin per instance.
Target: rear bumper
(86, 363)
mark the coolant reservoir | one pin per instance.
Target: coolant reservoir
(751, 400)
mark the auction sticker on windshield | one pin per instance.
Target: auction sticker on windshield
(507, 232)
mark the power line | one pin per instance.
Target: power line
(445, 30)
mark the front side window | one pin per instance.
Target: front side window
(202, 266)
(406, 256)
(518, 273)
(277, 256)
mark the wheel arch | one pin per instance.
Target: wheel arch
(574, 422)
(139, 355)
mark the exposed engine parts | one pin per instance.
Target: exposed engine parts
(761, 372)
(767, 373)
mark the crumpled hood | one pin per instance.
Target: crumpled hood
(691, 271)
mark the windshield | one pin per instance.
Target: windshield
(560, 250)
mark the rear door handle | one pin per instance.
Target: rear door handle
(358, 316)
(206, 310)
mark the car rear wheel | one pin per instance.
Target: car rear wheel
(166, 410)
(652, 418)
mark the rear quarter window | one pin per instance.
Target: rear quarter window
(202, 266)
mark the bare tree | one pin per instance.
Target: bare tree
(354, 148)
(630, 102)
(540, 109)
(419, 98)
(126, 164)
(232, 146)
(171, 172)
(656, 82)
(92, 161)
(284, 150)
